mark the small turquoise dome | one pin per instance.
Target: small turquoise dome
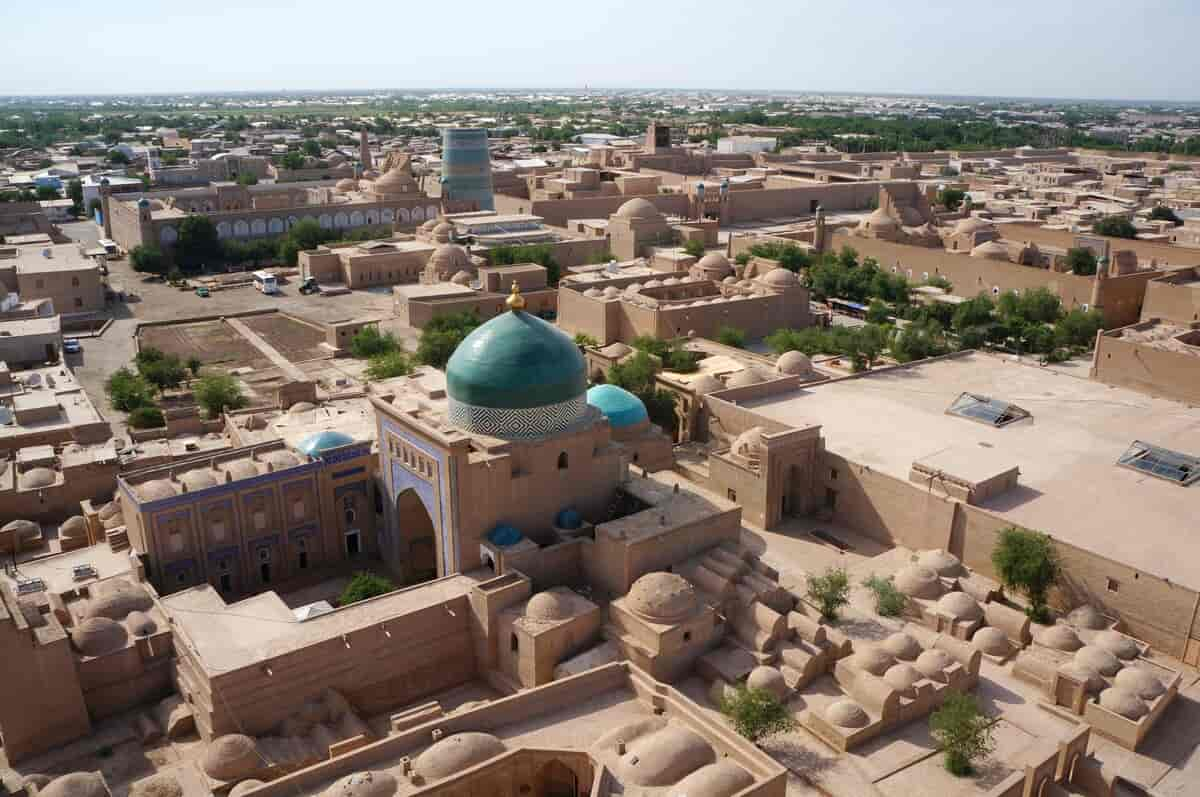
(516, 376)
(315, 444)
(504, 536)
(621, 407)
(568, 519)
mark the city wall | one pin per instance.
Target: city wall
(1146, 369)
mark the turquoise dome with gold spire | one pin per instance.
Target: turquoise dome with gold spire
(516, 376)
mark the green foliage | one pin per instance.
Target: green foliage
(147, 259)
(1081, 261)
(951, 198)
(146, 418)
(311, 147)
(250, 252)
(159, 369)
(672, 355)
(1115, 227)
(441, 337)
(45, 192)
(1027, 561)
(127, 390)
(364, 585)
(830, 591)
(94, 206)
(1164, 213)
(389, 365)
(843, 277)
(790, 256)
(731, 336)
(118, 157)
(756, 713)
(963, 731)
(369, 342)
(292, 160)
(742, 258)
(636, 374)
(694, 247)
(974, 312)
(889, 601)
(938, 281)
(198, 244)
(217, 393)
(542, 254)
(1078, 328)
(918, 340)
(246, 178)
(193, 365)
(585, 341)
(878, 313)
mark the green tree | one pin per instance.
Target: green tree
(1164, 213)
(365, 585)
(148, 259)
(389, 365)
(1078, 328)
(963, 731)
(951, 198)
(878, 313)
(1115, 227)
(756, 713)
(116, 156)
(311, 147)
(1027, 561)
(1081, 261)
(369, 342)
(193, 365)
(541, 254)
(198, 244)
(75, 192)
(694, 247)
(441, 337)
(585, 341)
(163, 372)
(146, 418)
(830, 591)
(217, 393)
(889, 600)
(292, 160)
(247, 178)
(127, 390)
(973, 313)
(731, 336)
(789, 255)
(636, 374)
(938, 281)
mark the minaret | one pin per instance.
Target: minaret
(105, 201)
(819, 234)
(364, 150)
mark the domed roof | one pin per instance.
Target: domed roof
(992, 250)
(346, 185)
(611, 292)
(76, 784)
(456, 753)
(461, 278)
(1124, 702)
(22, 529)
(395, 181)
(621, 407)
(429, 225)
(932, 662)
(1140, 681)
(749, 444)
(780, 278)
(671, 281)
(504, 536)
(443, 232)
(314, 445)
(653, 283)
(244, 786)
(722, 779)
(115, 605)
(114, 521)
(1058, 637)
(960, 606)
(768, 679)
(971, 224)
(301, 406)
(155, 490)
(233, 756)
(872, 658)
(98, 636)
(568, 518)
(198, 479)
(450, 259)
(902, 646)
(793, 363)
(663, 757)
(846, 713)
(108, 510)
(73, 527)
(281, 459)
(637, 208)
(1119, 645)
(516, 362)
(746, 377)
(363, 784)
(1091, 680)
(140, 624)
(902, 676)
(1087, 616)
(549, 605)
(162, 784)
(662, 597)
(715, 266)
(916, 581)
(34, 478)
(879, 218)
(991, 641)
(240, 469)
(941, 562)
(1090, 657)
(632, 288)
(705, 384)
(593, 293)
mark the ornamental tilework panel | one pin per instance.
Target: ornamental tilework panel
(516, 423)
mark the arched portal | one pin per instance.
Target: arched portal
(556, 779)
(417, 541)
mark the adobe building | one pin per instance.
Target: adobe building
(47, 406)
(61, 273)
(471, 288)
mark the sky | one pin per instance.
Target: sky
(1099, 49)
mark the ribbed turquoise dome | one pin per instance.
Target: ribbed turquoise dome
(621, 407)
(516, 376)
(314, 444)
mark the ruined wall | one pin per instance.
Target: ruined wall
(1155, 372)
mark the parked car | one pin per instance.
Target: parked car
(203, 292)
(310, 286)
(72, 346)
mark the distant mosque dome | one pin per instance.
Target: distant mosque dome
(314, 445)
(638, 209)
(621, 407)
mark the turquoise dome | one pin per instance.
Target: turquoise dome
(516, 376)
(621, 407)
(315, 444)
(568, 519)
(504, 536)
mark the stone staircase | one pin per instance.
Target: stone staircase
(118, 539)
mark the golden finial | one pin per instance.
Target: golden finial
(515, 300)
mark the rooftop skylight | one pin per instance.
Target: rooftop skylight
(983, 409)
(1161, 462)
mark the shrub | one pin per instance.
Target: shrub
(369, 342)
(731, 336)
(146, 418)
(952, 198)
(1115, 227)
(1164, 213)
(128, 390)
(938, 281)
(694, 247)
(1081, 261)
(441, 337)
(756, 713)
(217, 393)
(889, 601)
(877, 313)
(364, 585)
(389, 365)
(585, 341)
(963, 731)
(147, 259)
(1027, 561)
(830, 591)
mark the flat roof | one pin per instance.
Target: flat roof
(62, 257)
(1070, 484)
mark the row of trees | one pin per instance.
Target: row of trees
(134, 390)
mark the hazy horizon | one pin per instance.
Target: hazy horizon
(1112, 51)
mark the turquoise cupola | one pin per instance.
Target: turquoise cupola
(621, 407)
